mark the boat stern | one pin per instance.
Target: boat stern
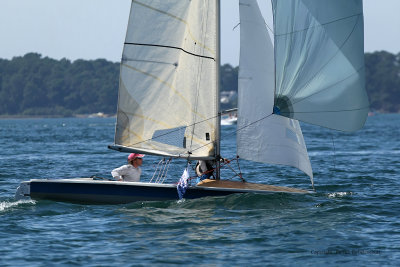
(23, 190)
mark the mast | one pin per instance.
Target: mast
(218, 108)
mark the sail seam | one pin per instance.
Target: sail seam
(149, 119)
(320, 25)
(173, 47)
(177, 18)
(328, 62)
(165, 83)
(125, 59)
(327, 111)
(326, 88)
(251, 123)
(193, 124)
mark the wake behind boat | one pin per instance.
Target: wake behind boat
(169, 96)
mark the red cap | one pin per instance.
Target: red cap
(134, 156)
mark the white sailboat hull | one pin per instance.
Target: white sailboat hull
(229, 121)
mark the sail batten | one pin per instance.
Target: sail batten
(319, 62)
(172, 47)
(167, 93)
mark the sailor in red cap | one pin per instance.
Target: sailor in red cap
(130, 172)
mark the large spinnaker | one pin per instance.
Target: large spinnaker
(319, 55)
(263, 136)
(168, 89)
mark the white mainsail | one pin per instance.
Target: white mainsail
(263, 136)
(167, 101)
(319, 56)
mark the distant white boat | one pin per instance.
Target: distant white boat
(228, 120)
(98, 115)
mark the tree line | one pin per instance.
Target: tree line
(36, 85)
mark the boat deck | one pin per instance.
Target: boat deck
(248, 186)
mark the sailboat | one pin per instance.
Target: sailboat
(168, 104)
(229, 119)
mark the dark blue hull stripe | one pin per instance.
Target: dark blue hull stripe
(113, 193)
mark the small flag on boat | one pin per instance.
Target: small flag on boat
(183, 183)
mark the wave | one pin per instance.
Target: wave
(232, 202)
(5, 205)
(361, 152)
(339, 194)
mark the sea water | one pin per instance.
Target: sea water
(353, 219)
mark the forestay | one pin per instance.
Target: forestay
(263, 136)
(319, 55)
(168, 85)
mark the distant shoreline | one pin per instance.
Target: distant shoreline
(91, 116)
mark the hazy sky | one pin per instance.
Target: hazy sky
(91, 29)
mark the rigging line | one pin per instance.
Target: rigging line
(319, 25)
(327, 63)
(326, 111)
(330, 86)
(264, 23)
(169, 164)
(205, 120)
(148, 118)
(165, 170)
(172, 47)
(271, 30)
(236, 174)
(155, 170)
(166, 83)
(161, 170)
(237, 130)
(240, 171)
(173, 90)
(269, 27)
(334, 153)
(125, 59)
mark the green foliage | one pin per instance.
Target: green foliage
(229, 82)
(36, 85)
(229, 78)
(383, 81)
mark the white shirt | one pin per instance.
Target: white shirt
(128, 173)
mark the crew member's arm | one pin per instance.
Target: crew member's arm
(118, 173)
(203, 166)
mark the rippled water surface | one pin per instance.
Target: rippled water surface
(353, 219)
